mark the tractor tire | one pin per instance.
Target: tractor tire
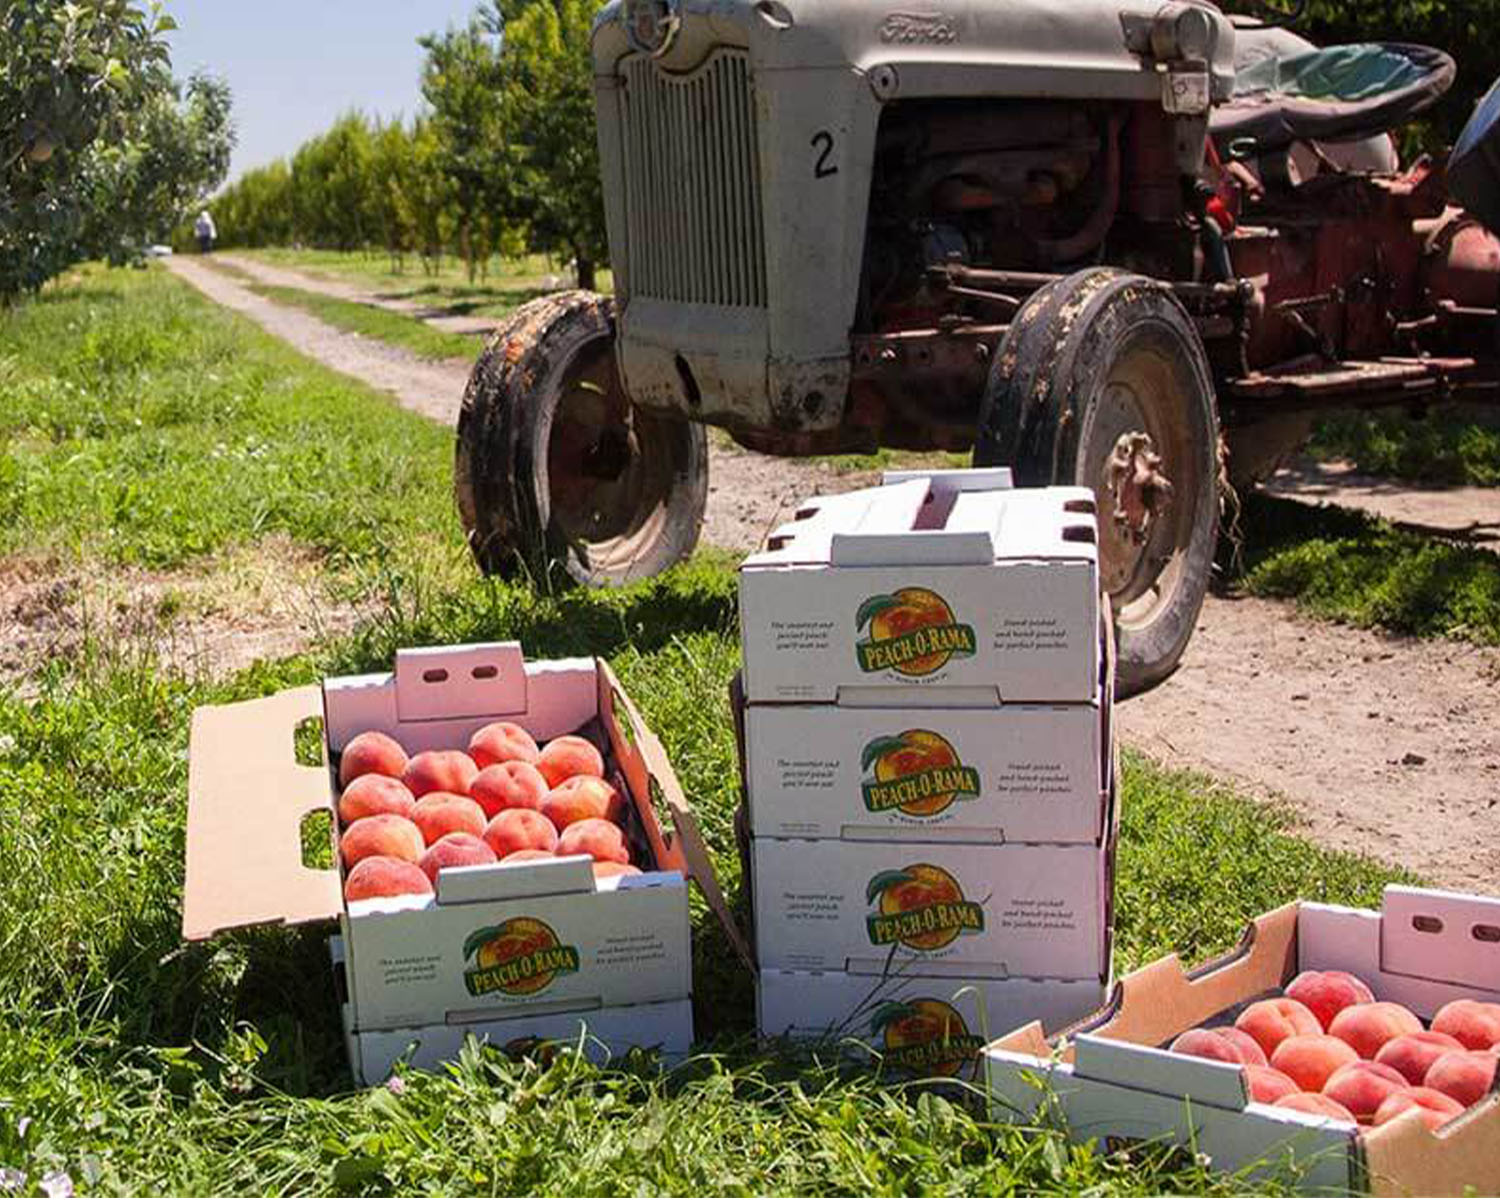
(1099, 374)
(555, 470)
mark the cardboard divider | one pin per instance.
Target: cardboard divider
(1441, 935)
(490, 679)
(515, 881)
(244, 857)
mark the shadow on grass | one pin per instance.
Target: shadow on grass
(1345, 565)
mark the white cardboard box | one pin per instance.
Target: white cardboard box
(954, 1018)
(976, 911)
(496, 942)
(665, 1026)
(1110, 1080)
(1008, 773)
(946, 587)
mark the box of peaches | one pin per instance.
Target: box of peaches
(1354, 1050)
(501, 869)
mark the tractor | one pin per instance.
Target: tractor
(1130, 245)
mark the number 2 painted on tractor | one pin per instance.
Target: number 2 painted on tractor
(822, 169)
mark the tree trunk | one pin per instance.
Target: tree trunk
(584, 266)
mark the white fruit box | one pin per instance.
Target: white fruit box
(665, 1026)
(948, 587)
(922, 1024)
(978, 911)
(495, 941)
(1112, 1082)
(888, 772)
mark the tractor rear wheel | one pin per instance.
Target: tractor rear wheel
(554, 467)
(1102, 382)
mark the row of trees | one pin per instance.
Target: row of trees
(502, 158)
(101, 150)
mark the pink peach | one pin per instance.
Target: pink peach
(440, 813)
(1368, 1027)
(371, 753)
(440, 771)
(1363, 1087)
(601, 840)
(513, 784)
(1267, 1085)
(1325, 993)
(579, 798)
(371, 794)
(1310, 1058)
(1434, 1108)
(1473, 1022)
(380, 875)
(384, 835)
(1465, 1075)
(1414, 1053)
(1271, 1022)
(520, 829)
(1316, 1104)
(500, 742)
(455, 850)
(567, 756)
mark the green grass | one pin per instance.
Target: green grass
(1346, 566)
(1455, 445)
(508, 282)
(137, 1064)
(398, 329)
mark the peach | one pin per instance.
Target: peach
(384, 834)
(455, 850)
(513, 784)
(1433, 1107)
(567, 756)
(1363, 1087)
(520, 856)
(1310, 1058)
(1325, 993)
(1271, 1022)
(440, 813)
(608, 869)
(1266, 1085)
(1465, 1075)
(1368, 1027)
(440, 771)
(1414, 1053)
(580, 798)
(601, 840)
(1316, 1104)
(371, 794)
(502, 742)
(1472, 1022)
(1207, 1043)
(520, 829)
(1250, 1052)
(371, 753)
(380, 875)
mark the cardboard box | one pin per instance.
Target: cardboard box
(1007, 773)
(1111, 1081)
(665, 1026)
(977, 911)
(920, 1024)
(937, 588)
(496, 942)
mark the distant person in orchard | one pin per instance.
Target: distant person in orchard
(203, 227)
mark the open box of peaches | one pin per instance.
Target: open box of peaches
(1361, 1046)
(502, 866)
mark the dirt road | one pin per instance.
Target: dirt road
(1385, 746)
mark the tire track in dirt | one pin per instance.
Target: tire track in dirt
(1334, 721)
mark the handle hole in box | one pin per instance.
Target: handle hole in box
(1486, 933)
(622, 720)
(1079, 533)
(485, 672)
(316, 833)
(435, 675)
(1427, 924)
(307, 742)
(1081, 505)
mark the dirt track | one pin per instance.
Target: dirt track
(1386, 746)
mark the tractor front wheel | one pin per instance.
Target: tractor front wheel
(555, 468)
(1101, 382)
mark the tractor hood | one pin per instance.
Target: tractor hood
(1073, 48)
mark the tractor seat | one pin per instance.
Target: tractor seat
(1338, 94)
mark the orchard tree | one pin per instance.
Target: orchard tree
(549, 106)
(72, 74)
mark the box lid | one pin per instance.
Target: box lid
(944, 518)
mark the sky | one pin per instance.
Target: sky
(295, 65)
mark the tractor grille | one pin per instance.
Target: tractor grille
(692, 180)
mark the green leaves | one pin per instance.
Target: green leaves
(886, 879)
(871, 608)
(888, 1013)
(877, 748)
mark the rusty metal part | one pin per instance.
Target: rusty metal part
(1138, 488)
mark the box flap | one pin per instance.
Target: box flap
(1444, 936)
(1405, 1158)
(247, 796)
(1153, 1070)
(687, 842)
(443, 682)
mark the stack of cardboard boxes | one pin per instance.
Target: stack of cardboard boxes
(927, 756)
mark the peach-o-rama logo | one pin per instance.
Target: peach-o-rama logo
(912, 632)
(916, 772)
(920, 907)
(518, 957)
(924, 1036)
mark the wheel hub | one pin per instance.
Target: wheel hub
(1137, 486)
